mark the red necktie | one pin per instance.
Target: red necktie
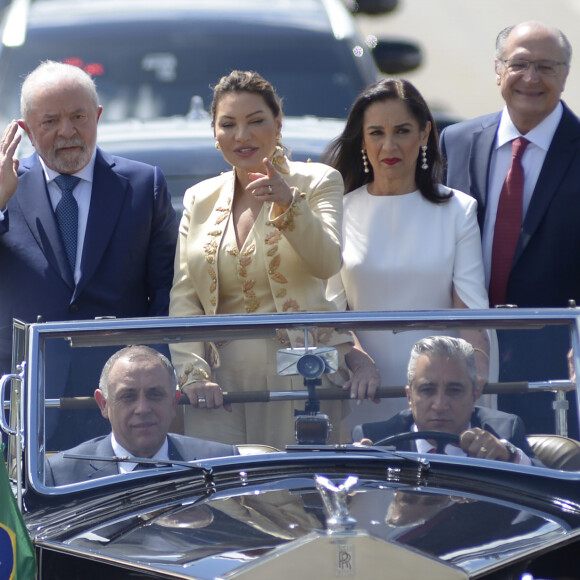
(508, 224)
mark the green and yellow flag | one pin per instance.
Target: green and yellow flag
(17, 561)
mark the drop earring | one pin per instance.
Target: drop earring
(424, 164)
(217, 146)
(365, 160)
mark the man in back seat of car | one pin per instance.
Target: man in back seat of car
(138, 394)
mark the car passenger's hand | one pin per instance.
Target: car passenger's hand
(364, 383)
(365, 378)
(8, 164)
(479, 443)
(364, 442)
(205, 395)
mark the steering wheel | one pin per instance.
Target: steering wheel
(440, 437)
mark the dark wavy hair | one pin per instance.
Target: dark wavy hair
(244, 81)
(344, 153)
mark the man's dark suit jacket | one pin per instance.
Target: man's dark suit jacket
(127, 262)
(502, 425)
(61, 471)
(545, 271)
(129, 249)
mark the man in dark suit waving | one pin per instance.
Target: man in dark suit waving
(138, 394)
(442, 390)
(83, 234)
(523, 167)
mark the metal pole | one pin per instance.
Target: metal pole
(560, 406)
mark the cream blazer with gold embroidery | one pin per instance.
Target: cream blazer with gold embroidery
(304, 246)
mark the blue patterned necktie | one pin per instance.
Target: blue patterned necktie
(67, 216)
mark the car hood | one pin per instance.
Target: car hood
(278, 526)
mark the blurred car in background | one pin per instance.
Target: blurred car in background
(151, 58)
(155, 63)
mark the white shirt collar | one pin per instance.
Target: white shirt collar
(86, 173)
(541, 135)
(126, 466)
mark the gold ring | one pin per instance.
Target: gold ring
(484, 449)
(269, 190)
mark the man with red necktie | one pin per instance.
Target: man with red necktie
(530, 235)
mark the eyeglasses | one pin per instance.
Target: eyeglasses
(545, 68)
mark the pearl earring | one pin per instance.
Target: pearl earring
(424, 165)
(365, 161)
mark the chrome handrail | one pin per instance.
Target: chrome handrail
(17, 419)
(4, 380)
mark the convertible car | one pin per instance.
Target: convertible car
(320, 505)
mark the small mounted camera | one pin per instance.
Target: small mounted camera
(311, 366)
(310, 363)
(311, 426)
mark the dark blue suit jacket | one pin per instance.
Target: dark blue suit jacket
(546, 267)
(501, 425)
(129, 249)
(61, 471)
(545, 271)
(127, 268)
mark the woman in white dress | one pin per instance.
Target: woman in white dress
(409, 243)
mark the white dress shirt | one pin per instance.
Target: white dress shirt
(127, 466)
(540, 138)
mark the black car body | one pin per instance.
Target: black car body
(309, 510)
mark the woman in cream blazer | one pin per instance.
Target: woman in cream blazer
(261, 238)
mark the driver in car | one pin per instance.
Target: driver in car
(442, 390)
(138, 395)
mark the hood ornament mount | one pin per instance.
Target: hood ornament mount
(335, 500)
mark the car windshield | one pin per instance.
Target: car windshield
(153, 69)
(275, 385)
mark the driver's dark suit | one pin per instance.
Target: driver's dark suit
(502, 425)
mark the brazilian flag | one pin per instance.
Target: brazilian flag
(17, 561)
